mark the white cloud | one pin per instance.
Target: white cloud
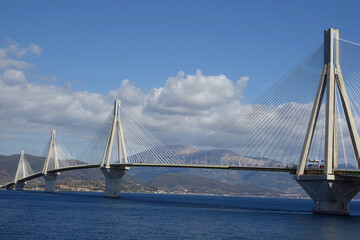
(25, 106)
(128, 93)
(240, 86)
(13, 77)
(189, 94)
(14, 48)
(7, 63)
(180, 112)
(187, 108)
(10, 55)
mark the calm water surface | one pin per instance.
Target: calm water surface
(69, 215)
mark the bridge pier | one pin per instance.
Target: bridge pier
(331, 193)
(113, 178)
(50, 181)
(19, 186)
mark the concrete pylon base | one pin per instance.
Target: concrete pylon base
(19, 186)
(113, 178)
(50, 182)
(331, 193)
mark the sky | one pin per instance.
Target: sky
(181, 67)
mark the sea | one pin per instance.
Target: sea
(87, 215)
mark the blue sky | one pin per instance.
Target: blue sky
(96, 44)
(92, 46)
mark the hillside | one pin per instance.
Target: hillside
(179, 183)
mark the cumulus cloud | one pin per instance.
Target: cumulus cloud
(180, 112)
(128, 93)
(186, 110)
(188, 94)
(48, 105)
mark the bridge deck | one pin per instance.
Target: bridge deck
(244, 168)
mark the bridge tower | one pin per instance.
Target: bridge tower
(21, 172)
(114, 174)
(50, 177)
(331, 193)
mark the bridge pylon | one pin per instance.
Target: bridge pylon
(113, 174)
(331, 193)
(21, 172)
(51, 177)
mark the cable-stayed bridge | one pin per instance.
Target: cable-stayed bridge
(306, 124)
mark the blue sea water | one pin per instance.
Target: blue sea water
(71, 215)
